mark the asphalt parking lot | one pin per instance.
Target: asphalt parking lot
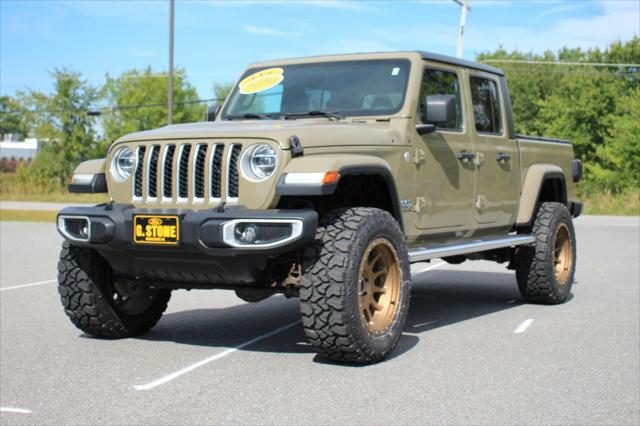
(472, 353)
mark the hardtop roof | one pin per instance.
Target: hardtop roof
(435, 57)
(429, 56)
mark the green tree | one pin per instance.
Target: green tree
(222, 90)
(580, 111)
(12, 116)
(61, 120)
(138, 99)
(618, 167)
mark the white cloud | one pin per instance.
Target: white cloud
(618, 20)
(559, 9)
(267, 31)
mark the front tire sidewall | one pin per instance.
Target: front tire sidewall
(384, 341)
(83, 285)
(329, 293)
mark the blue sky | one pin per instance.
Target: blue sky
(215, 40)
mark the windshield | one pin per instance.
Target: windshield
(351, 88)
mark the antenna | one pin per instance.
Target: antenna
(463, 19)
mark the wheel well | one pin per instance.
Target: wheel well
(553, 189)
(353, 190)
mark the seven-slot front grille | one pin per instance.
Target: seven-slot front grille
(186, 172)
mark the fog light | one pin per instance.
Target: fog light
(76, 228)
(246, 233)
(260, 233)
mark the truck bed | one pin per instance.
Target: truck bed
(541, 150)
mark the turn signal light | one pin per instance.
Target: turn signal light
(330, 178)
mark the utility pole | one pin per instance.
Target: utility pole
(170, 88)
(463, 19)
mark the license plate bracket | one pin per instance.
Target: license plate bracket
(156, 229)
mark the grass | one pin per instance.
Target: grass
(606, 203)
(13, 190)
(28, 215)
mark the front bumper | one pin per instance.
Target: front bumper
(203, 253)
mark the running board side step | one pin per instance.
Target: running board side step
(472, 246)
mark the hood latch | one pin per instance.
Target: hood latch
(296, 148)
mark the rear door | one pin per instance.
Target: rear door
(496, 156)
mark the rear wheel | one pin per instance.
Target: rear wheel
(355, 286)
(545, 269)
(101, 306)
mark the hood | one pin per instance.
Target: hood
(311, 132)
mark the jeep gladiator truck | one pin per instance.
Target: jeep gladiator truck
(323, 178)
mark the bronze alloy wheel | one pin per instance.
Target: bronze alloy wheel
(379, 285)
(563, 254)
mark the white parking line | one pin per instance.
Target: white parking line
(523, 326)
(428, 268)
(15, 287)
(14, 410)
(212, 358)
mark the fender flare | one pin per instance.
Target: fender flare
(534, 180)
(346, 165)
(91, 185)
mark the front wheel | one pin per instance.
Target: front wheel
(101, 306)
(355, 286)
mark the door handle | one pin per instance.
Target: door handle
(503, 158)
(466, 156)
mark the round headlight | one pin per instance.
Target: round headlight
(260, 162)
(122, 163)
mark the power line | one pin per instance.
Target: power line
(102, 110)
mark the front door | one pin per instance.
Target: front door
(444, 183)
(496, 156)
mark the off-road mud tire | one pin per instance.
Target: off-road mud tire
(83, 288)
(329, 286)
(535, 263)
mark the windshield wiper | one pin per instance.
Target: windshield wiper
(247, 115)
(314, 113)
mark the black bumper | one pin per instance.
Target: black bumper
(200, 256)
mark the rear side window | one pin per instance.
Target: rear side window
(439, 82)
(486, 105)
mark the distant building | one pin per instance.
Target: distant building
(15, 152)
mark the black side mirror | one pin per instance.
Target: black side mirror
(438, 109)
(212, 112)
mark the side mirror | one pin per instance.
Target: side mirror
(438, 109)
(212, 112)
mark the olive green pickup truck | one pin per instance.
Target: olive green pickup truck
(323, 178)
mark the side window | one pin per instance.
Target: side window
(486, 105)
(439, 82)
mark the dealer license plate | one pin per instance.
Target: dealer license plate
(149, 229)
